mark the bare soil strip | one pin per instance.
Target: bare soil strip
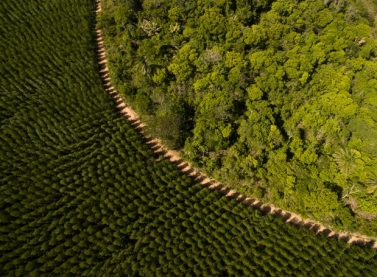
(200, 177)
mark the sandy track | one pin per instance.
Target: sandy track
(199, 176)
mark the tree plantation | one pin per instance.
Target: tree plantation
(81, 194)
(277, 99)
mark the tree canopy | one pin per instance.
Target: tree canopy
(275, 98)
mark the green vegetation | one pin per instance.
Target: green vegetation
(275, 98)
(82, 195)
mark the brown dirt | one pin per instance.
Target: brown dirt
(199, 176)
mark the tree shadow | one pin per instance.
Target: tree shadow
(265, 210)
(152, 144)
(363, 243)
(101, 66)
(157, 148)
(282, 214)
(345, 238)
(295, 222)
(248, 201)
(334, 236)
(326, 232)
(100, 51)
(101, 59)
(137, 125)
(107, 86)
(307, 225)
(316, 228)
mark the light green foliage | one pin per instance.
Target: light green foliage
(254, 92)
(213, 128)
(212, 24)
(181, 65)
(276, 95)
(254, 35)
(324, 17)
(367, 206)
(233, 59)
(312, 202)
(159, 76)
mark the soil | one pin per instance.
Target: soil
(199, 176)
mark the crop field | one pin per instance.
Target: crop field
(82, 195)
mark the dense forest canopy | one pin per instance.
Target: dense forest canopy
(276, 98)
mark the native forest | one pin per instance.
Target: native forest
(274, 99)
